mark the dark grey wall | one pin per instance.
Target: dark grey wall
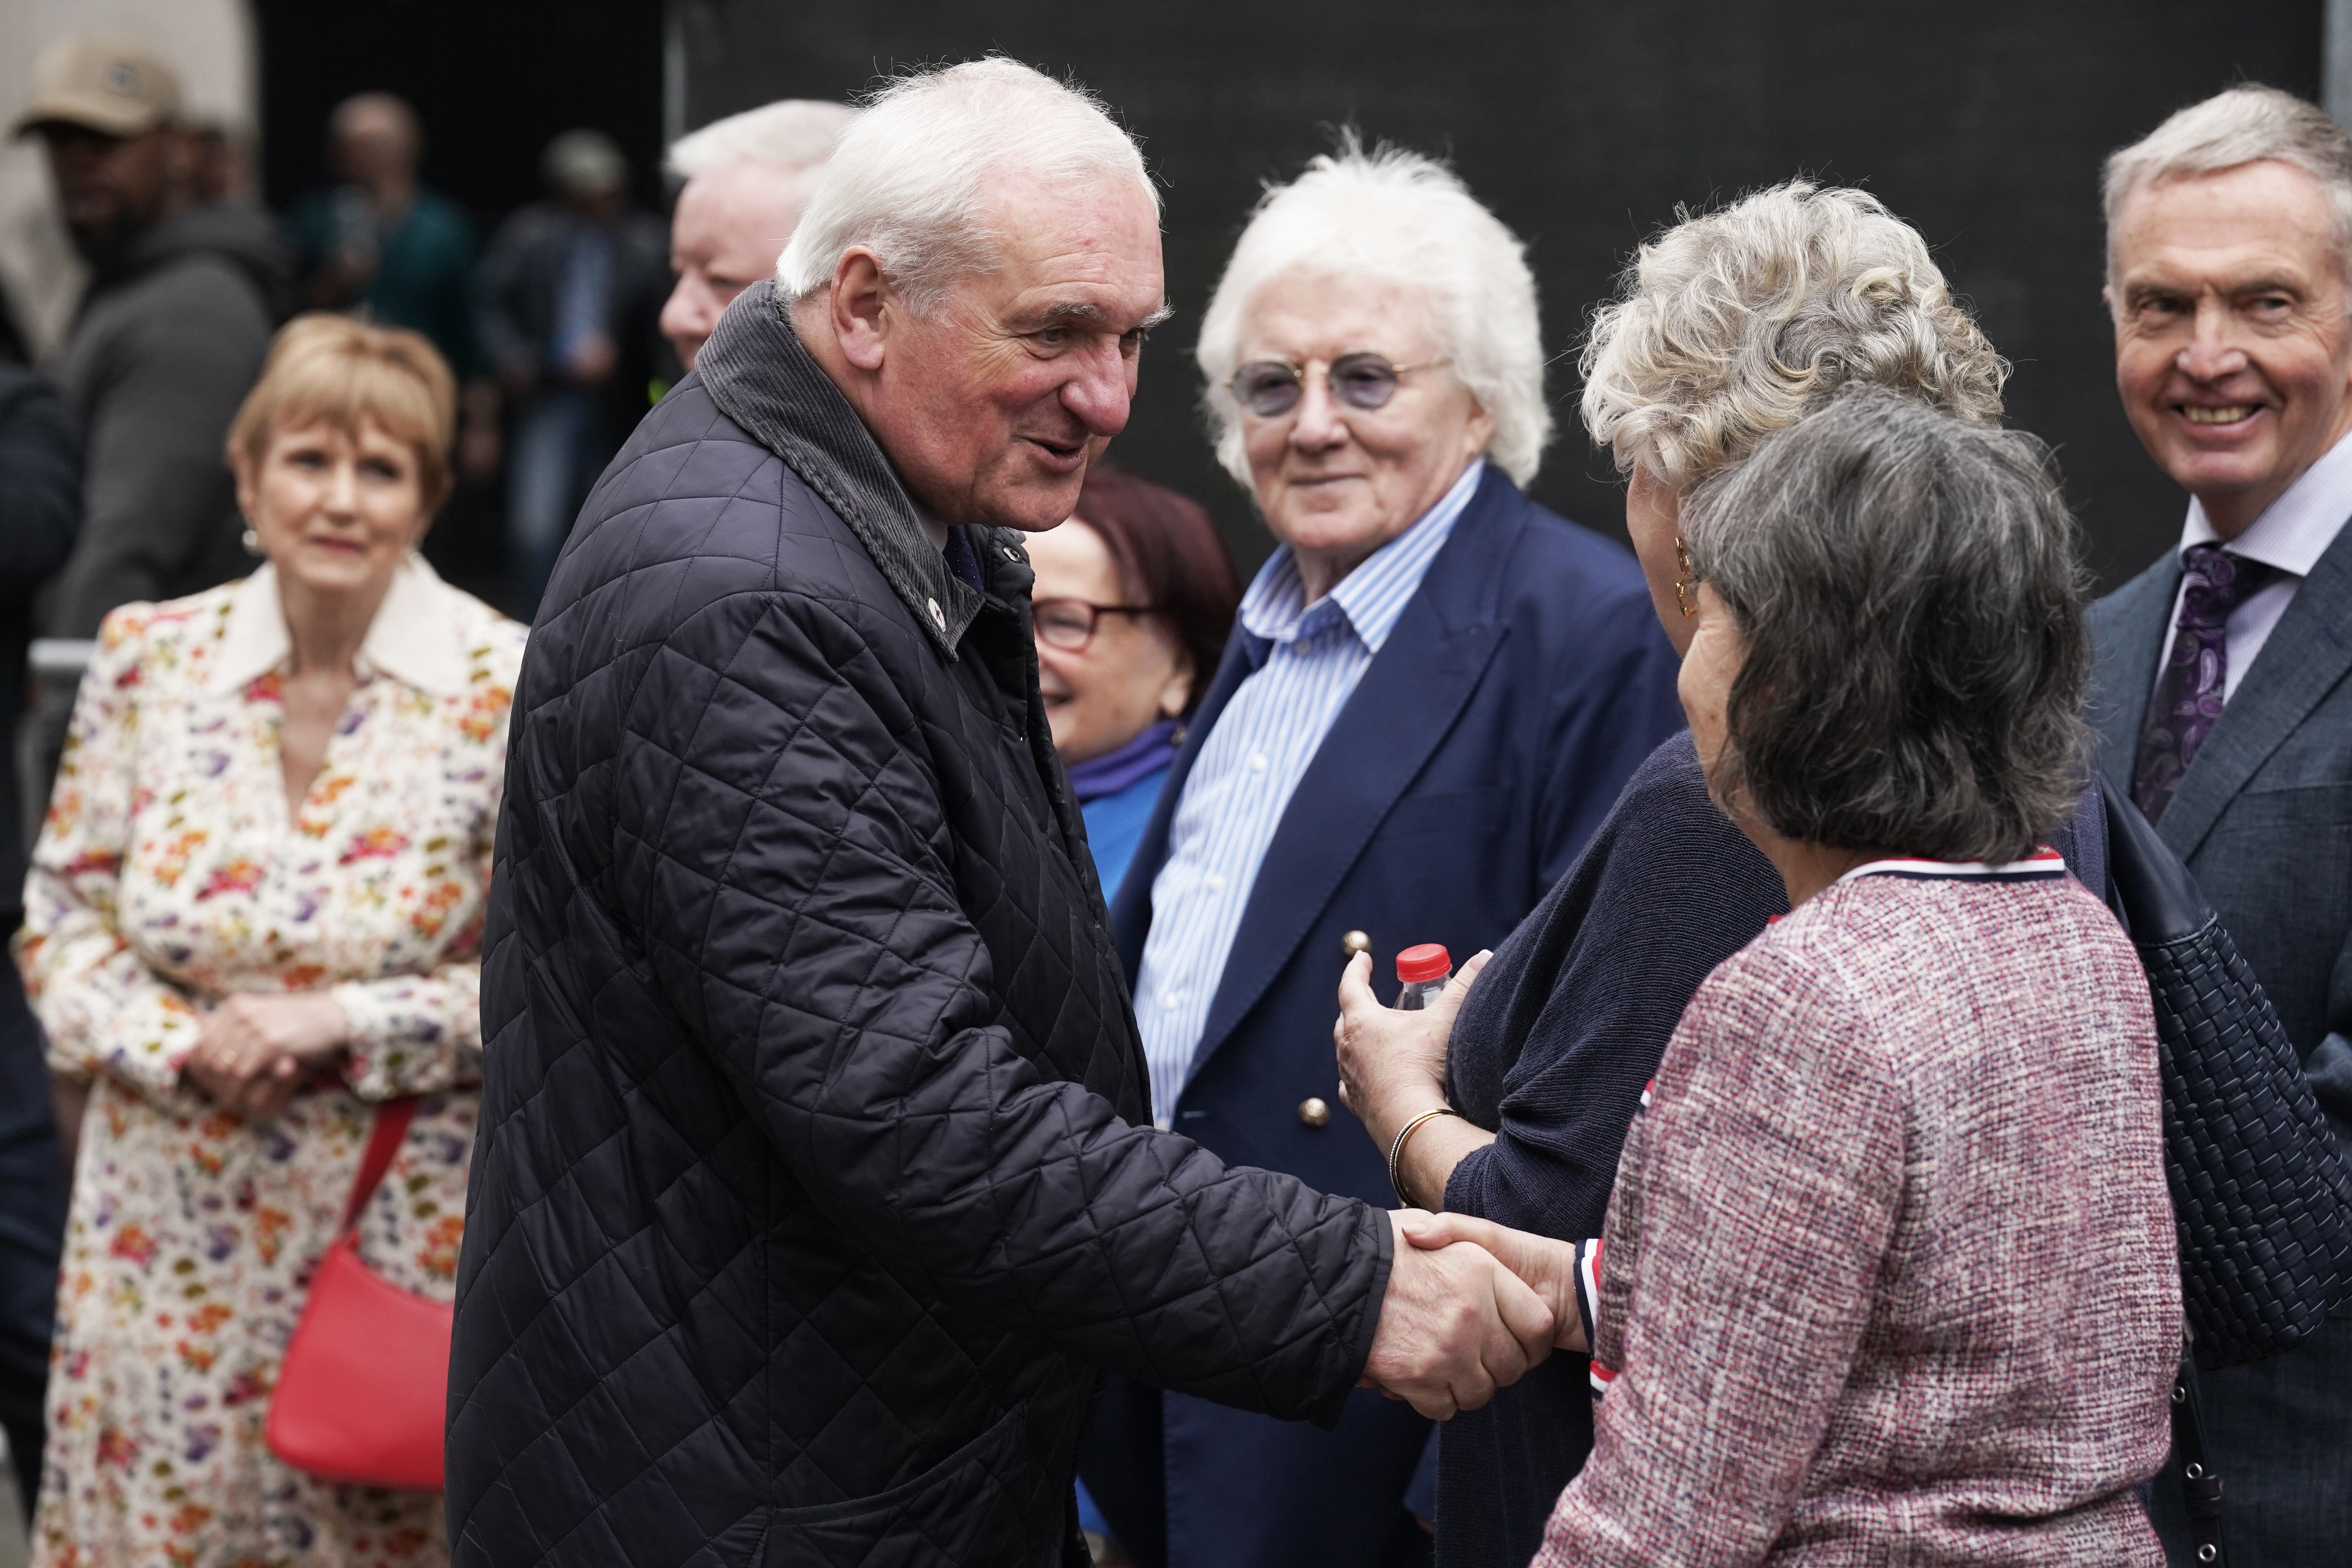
(494, 81)
(1583, 125)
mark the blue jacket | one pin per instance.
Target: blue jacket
(1525, 681)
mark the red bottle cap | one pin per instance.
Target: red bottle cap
(1427, 961)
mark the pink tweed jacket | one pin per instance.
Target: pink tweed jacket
(1889, 1272)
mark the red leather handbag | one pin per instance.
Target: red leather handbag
(361, 1391)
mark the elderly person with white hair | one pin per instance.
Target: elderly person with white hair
(817, 1190)
(1729, 326)
(747, 180)
(1436, 689)
(2223, 704)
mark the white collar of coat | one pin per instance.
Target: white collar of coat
(414, 638)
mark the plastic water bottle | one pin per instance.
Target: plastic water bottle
(1423, 973)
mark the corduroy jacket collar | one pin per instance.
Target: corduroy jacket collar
(756, 369)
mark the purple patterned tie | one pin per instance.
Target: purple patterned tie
(2188, 693)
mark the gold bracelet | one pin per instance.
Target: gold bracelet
(1396, 1150)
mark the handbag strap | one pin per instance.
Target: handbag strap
(392, 1119)
(2201, 1488)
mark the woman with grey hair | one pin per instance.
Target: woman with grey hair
(1436, 689)
(1728, 327)
(1935, 1080)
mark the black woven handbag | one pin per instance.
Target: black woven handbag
(2260, 1192)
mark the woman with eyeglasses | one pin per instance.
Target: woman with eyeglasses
(1134, 597)
(1434, 691)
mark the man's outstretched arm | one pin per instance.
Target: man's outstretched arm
(790, 876)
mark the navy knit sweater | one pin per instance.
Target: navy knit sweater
(1567, 1022)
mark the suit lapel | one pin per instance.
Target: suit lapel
(2299, 664)
(1406, 703)
(2127, 631)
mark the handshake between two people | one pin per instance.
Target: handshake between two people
(1471, 1308)
(1471, 1305)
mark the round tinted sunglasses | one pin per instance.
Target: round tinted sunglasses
(1271, 388)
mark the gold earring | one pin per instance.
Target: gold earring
(1684, 586)
(252, 542)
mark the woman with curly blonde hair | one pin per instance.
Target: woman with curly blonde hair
(1727, 328)
(253, 921)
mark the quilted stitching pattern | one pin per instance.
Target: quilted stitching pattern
(2262, 1206)
(808, 1207)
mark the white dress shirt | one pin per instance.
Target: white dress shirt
(2291, 533)
(1309, 660)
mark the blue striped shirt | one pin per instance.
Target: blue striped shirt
(1308, 659)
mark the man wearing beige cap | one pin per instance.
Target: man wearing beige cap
(182, 298)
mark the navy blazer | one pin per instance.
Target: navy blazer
(1522, 685)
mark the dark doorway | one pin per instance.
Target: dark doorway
(1584, 123)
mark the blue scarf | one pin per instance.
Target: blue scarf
(1113, 771)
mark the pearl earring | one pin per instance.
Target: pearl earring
(252, 542)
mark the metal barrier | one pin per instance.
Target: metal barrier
(61, 659)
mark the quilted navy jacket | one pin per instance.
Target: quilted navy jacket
(816, 1190)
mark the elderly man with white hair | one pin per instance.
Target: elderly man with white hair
(1436, 689)
(748, 178)
(2224, 705)
(817, 1190)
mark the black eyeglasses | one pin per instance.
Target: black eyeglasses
(1069, 623)
(1271, 388)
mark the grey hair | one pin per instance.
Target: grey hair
(1732, 324)
(583, 163)
(1400, 218)
(1911, 595)
(911, 175)
(788, 135)
(2240, 125)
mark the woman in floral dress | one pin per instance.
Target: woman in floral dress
(254, 915)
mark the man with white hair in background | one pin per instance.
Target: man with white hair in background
(748, 178)
(1436, 690)
(817, 1190)
(2222, 703)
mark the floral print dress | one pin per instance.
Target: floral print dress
(170, 874)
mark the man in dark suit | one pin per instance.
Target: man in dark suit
(2223, 702)
(1434, 693)
(569, 292)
